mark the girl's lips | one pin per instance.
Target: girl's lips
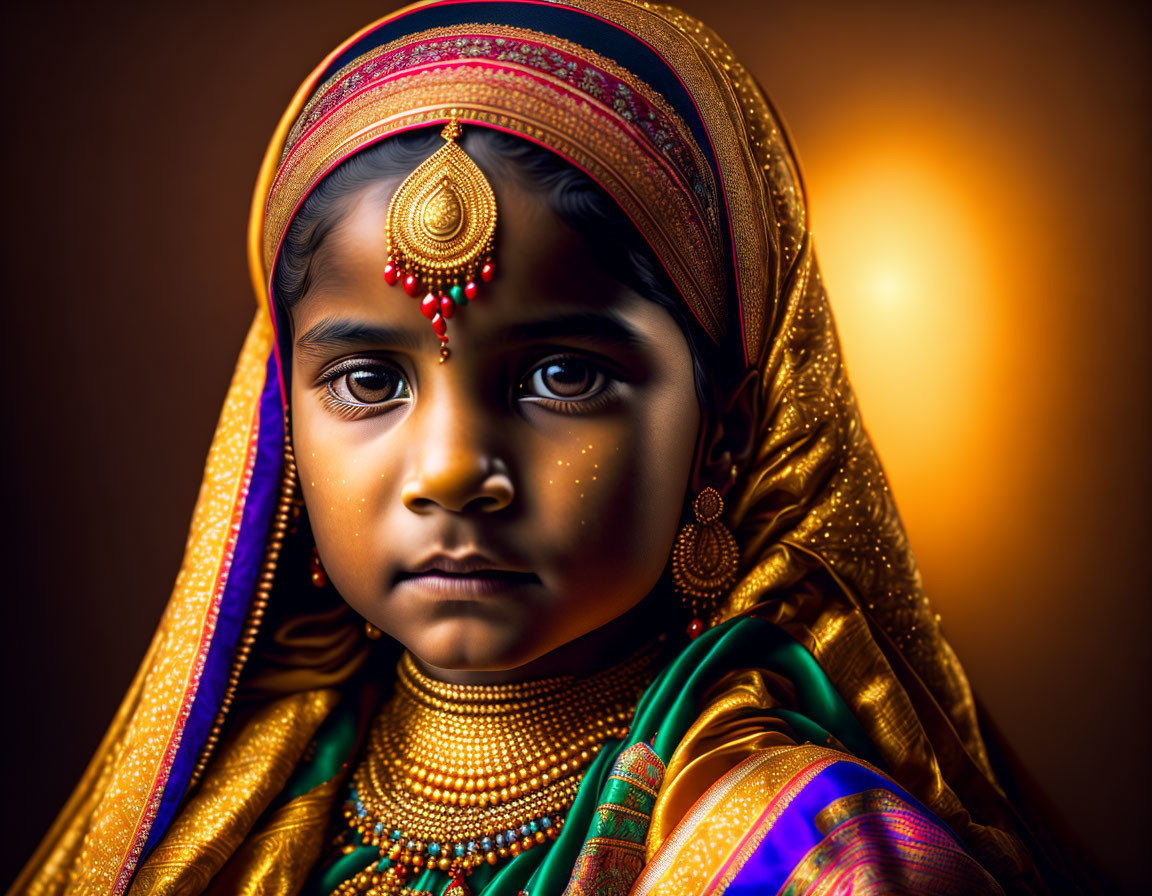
(479, 583)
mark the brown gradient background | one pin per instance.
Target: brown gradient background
(980, 189)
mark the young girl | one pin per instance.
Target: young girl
(541, 548)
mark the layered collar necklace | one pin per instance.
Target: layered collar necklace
(458, 776)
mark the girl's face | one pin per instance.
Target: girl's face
(490, 509)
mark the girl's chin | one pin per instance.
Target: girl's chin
(475, 644)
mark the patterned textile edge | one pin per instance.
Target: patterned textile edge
(585, 73)
(778, 843)
(613, 851)
(778, 811)
(703, 840)
(142, 768)
(599, 117)
(258, 507)
(47, 871)
(751, 153)
(872, 830)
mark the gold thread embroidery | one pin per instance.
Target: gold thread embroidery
(697, 848)
(641, 184)
(112, 843)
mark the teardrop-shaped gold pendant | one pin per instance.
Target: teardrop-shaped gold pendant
(441, 230)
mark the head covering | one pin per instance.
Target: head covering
(652, 105)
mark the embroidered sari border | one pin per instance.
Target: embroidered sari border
(191, 688)
(260, 492)
(143, 767)
(773, 848)
(587, 72)
(874, 841)
(669, 864)
(748, 832)
(599, 33)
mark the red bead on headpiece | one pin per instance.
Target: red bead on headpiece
(441, 230)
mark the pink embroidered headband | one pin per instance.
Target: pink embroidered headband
(555, 93)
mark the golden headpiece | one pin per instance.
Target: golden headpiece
(441, 227)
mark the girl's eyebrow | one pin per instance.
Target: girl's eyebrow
(340, 333)
(589, 326)
(343, 333)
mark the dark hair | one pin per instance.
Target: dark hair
(581, 203)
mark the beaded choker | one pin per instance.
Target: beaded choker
(456, 776)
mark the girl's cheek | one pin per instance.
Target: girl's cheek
(339, 480)
(575, 481)
(344, 509)
(349, 496)
(590, 491)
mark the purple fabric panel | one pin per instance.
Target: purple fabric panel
(795, 832)
(238, 589)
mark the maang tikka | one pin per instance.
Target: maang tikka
(441, 230)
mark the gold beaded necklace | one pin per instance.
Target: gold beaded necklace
(456, 776)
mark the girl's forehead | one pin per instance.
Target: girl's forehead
(538, 256)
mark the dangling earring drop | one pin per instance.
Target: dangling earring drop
(373, 633)
(704, 560)
(319, 577)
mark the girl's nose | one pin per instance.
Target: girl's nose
(458, 484)
(454, 465)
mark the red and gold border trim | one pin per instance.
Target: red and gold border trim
(552, 92)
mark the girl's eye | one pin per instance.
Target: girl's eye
(565, 380)
(363, 382)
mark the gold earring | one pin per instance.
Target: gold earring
(704, 560)
(373, 633)
(319, 577)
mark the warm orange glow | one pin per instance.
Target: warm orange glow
(907, 243)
